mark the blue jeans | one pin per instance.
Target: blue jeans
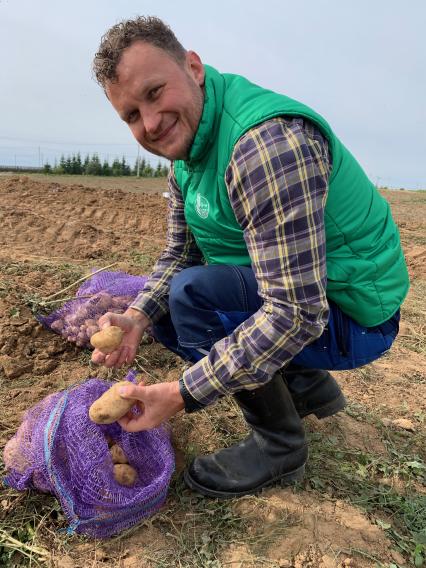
(208, 302)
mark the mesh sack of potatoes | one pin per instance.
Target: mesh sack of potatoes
(77, 319)
(58, 449)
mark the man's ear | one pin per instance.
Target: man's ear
(195, 67)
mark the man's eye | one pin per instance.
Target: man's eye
(153, 93)
(132, 117)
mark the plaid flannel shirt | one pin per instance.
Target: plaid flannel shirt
(277, 183)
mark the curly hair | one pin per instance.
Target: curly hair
(149, 29)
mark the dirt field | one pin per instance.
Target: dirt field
(363, 502)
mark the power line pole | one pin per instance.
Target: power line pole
(138, 163)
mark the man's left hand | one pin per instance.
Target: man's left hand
(157, 404)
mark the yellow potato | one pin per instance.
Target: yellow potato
(117, 454)
(108, 339)
(125, 474)
(110, 406)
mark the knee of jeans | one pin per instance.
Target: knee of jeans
(186, 286)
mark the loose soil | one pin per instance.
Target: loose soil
(56, 230)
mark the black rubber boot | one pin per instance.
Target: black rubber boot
(313, 391)
(274, 451)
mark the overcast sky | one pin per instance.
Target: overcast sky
(359, 63)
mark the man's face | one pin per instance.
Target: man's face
(160, 99)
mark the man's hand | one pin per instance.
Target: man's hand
(133, 323)
(157, 403)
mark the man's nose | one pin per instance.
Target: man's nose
(151, 122)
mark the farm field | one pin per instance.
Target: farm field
(362, 503)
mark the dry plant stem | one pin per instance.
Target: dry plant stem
(75, 298)
(145, 371)
(78, 281)
(16, 543)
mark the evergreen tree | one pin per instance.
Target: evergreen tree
(74, 167)
(125, 169)
(86, 164)
(148, 171)
(116, 167)
(106, 170)
(79, 166)
(62, 165)
(142, 167)
(94, 167)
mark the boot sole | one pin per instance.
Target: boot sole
(285, 479)
(328, 409)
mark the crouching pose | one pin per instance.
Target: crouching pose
(282, 259)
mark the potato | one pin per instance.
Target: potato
(13, 456)
(71, 320)
(125, 474)
(108, 339)
(110, 406)
(103, 301)
(81, 313)
(72, 332)
(91, 330)
(120, 302)
(81, 339)
(57, 325)
(117, 454)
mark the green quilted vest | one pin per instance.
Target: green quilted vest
(366, 271)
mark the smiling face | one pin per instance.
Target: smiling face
(160, 99)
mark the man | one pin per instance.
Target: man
(282, 260)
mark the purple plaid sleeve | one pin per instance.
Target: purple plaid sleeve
(277, 182)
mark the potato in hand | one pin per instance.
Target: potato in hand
(110, 406)
(108, 339)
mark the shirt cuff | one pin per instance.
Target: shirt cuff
(201, 383)
(151, 307)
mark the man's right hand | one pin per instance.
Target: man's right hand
(134, 324)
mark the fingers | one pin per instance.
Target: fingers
(98, 357)
(133, 391)
(124, 356)
(105, 320)
(134, 423)
(119, 320)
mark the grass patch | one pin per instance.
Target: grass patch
(144, 259)
(201, 529)
(369, 482)
(28, 527)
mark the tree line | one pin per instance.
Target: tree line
(93, 166)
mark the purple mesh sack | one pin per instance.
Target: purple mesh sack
(59, 450)
(104, 292)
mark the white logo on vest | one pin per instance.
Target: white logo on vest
(202, 206)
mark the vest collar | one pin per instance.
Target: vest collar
(205, 136)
